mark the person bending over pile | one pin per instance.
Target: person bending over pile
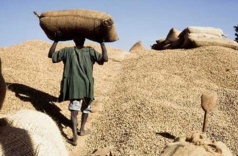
(77, 85)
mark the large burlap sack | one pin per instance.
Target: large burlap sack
(159, 44)
(172, 39)
(203, 35)
(173, 34)
(19, 142)
(41, 130)
(223, 42)
(205, 30)
(188, 38)
(196, 145)
(194, 40)
(2, 86)
(160, 41)
(93, 25)
(155, 47)
(137, 46)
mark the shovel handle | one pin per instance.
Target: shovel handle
(204, 122)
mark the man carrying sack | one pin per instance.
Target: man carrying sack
(77, 85)
(93, 25)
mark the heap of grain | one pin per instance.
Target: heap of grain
(33, 82)
(197, 143)
(24, 133)
(148, 99)
(157, 98)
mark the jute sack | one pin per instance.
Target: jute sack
(37, 124)
(17, 141)
(173, 39)
(155, 47)
(137, 46)
(187, 42)
(160, 41)
(206, 30)
(203, 35)
(93, 25)
(196, 145)
(159, 44)
(223, 42)
(173, 35)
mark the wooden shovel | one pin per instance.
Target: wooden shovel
(208, 102)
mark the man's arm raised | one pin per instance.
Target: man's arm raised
(104, 52)
(58, 36)
(52, 49)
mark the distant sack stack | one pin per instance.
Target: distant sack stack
(93, 25)
(190, 34)
(193, 37)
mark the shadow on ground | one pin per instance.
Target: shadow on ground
(42, 101)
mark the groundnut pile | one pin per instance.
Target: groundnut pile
(143, 100)
(158, 98)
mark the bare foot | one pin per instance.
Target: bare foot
(84, 132)
(72, 142)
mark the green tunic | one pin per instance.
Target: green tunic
(77, 81)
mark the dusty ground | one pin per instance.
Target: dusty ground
(141, 103)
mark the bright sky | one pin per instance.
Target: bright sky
(135, 20)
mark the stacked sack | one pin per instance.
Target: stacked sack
(205, 36)
(171, 41)
(195, 36)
